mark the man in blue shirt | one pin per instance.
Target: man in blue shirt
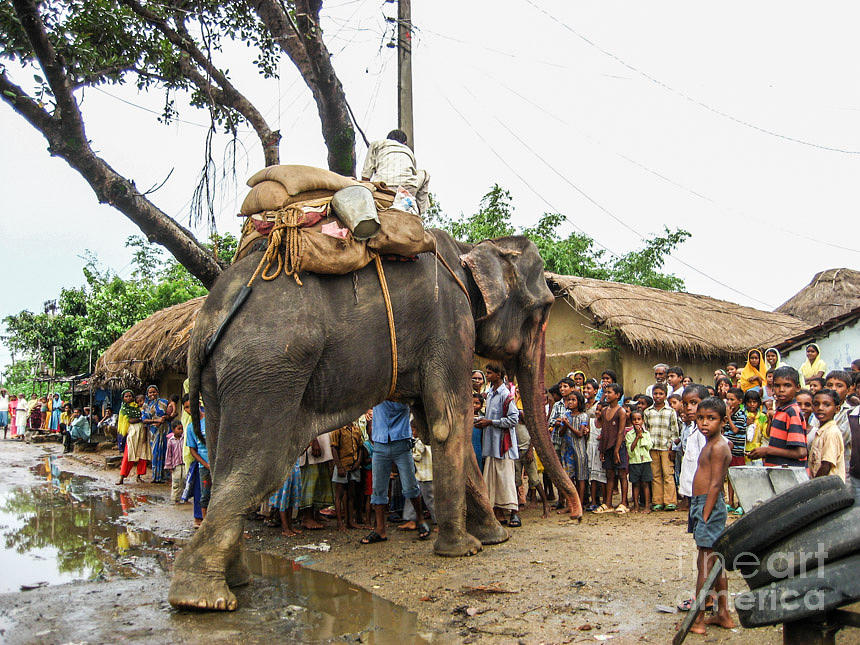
(391, 433)
(200, 452)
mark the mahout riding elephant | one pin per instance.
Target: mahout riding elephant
(297, 361)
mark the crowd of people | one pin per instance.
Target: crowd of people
(665, 449)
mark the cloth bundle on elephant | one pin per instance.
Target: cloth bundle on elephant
(325, 247)
(299, 359)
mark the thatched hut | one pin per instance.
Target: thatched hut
(595, 325)
(831, 294)
(152, 351)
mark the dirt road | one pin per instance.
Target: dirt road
(554, 581)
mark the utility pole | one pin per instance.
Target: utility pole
(404, 70)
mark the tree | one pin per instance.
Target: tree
(168, 45)
(93, 316)
(574, 254)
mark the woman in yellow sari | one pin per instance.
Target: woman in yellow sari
(813, 366)
(754, 372)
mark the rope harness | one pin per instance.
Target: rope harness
(391, 331)
(285, 233)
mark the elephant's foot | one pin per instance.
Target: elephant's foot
(488, 531)
(197, 591)
(456, 545)
(238, 573)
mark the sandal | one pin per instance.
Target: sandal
(669, 507)
(656, 507)
(687, 605)
(622, 509)
(372, 538)
(423, 531)
(738, 511)
(603, 508)
(515, 521)
(275, 524)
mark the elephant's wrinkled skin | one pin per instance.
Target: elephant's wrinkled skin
(296, 362)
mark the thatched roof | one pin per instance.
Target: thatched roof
(673, 322)
(152, 347)
(831, 293)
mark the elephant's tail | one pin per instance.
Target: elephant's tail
(196, 362)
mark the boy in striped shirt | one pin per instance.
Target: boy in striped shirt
(787, 445)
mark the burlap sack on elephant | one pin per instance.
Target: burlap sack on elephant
(328, 255)
(401, 234)
(265, 196)
(299, 179)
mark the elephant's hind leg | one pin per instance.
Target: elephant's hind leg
(249, 465)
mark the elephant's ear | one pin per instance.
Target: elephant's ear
(493, 273)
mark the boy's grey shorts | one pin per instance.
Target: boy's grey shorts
(706, 533)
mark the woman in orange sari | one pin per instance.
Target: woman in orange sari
(754, 373)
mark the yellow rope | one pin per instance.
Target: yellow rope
(285, 233)
(390, 312)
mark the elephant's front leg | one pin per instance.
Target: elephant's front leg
(449, 481)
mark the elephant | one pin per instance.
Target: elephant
(298, 361)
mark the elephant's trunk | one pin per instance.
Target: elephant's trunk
(530, 378)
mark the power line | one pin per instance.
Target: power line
(588, 197)
(661, 176)
(518, 175)
(682, 94)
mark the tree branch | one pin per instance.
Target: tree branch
(66, 138)
(229, 96)
(303, 43)
(26, 106)
(53, 65)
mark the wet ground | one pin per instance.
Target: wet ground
(74, 568)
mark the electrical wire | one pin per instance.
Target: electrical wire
(683, 94)
(725, 209)
(588, 197)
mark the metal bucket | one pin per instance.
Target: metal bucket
(354, 206)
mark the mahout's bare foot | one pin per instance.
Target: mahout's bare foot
(408, 526)
(312, 525)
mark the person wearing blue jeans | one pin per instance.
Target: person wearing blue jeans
(391, 433)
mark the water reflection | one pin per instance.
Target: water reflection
(62, 530)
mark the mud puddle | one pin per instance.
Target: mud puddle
(57, 528)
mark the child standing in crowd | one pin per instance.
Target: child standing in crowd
(423, 458)
(477, 433)
(842, 383)
(575, 438)
(611, 419)
(827, 452)
(674, 376)
(596, 474)
(757, 421)
(804, 402)
(173, 461)
(735, 431)
(639, 455)
(200, 452)
(287, 500)
(693, 395)
(662, 423)
(346, 445)
(815, 383)
(708, 507)
(787, 443)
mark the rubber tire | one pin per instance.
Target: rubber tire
(837, 535)
(834, 584)
(781, 516)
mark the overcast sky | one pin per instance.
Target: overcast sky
(736, 121)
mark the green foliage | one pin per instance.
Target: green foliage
(574, 254)
(104, 42)
(96, 314)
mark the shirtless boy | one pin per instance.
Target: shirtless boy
(708, 507)
(611, 419)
